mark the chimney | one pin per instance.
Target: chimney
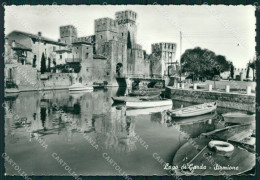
(39, 34)
(13, 43)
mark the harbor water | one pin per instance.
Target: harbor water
(92, 136)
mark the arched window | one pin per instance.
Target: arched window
(86, 56)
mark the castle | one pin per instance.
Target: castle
(110, 54)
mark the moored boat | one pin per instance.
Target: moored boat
(146, 103)
(195, 110)
(238, 118)
(136, 112)
(217, 152)
(12, 90)
(123, 99)
(146, 92)
(79, 87)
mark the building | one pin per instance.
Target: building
(111, 53)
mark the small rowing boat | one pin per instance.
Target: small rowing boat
(136, 112)
(146, 103)
(146, 92)
(193, 110)
(238, 118)
(123, 99)
(79, 87)
(215, 153)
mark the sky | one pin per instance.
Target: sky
(226, 30)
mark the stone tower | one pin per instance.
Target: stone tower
(127, 28)
(68, 34)
(105, 30)
(165, 55)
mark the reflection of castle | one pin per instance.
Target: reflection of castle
(116, 131)
(61, 113)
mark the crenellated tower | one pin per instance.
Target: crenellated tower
(68, 34)
(105, 30)
(127, 28)
(165, 55)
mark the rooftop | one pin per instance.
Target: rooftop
(35, 37)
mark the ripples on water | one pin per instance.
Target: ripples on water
(74, 126)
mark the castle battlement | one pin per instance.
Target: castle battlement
(163, 46)
(105, 24)
(126, 16)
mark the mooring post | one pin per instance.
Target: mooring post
(248, 90)
(182, 85)
(194, 86)
(210, 87)
(227, 88)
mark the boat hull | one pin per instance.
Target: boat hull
(239, 159)
(192, 111)
(148, 104)
(136, 112)
(238, 118)
(81, 89)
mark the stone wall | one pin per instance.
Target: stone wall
(226, 100)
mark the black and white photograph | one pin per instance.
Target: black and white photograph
(130, 90)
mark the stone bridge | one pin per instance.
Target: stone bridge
(133, 80)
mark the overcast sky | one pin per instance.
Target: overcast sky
(226, 30)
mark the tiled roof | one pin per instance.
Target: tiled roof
(36, 37)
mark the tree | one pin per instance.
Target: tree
(247, 71)
(232, 70)
(43, 64)
(199, 62)
(253, 66)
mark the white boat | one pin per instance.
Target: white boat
(136, 112)
(193, 110)
(79, 87)
(12, 90)
(148, 103)
(238, 118)
(122, 99)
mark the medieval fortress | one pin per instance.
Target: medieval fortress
(109, 56)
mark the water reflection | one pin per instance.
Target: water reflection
(66, 117)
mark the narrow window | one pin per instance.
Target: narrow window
(86, 55)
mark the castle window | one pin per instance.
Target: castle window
(107, 73)
(60, 56)
(100, 36)
(122, 34)
(54, 48)
(86, 55)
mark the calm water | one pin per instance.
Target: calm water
(63, 121)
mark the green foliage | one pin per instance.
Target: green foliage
(65, 68)
(203, 63)
(232, 70)
(43, 64)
